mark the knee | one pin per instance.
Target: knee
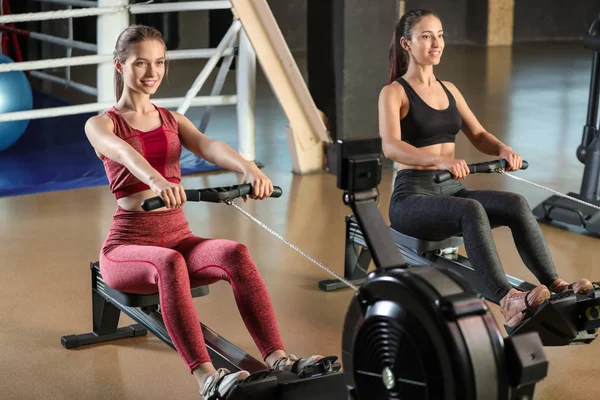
(173, 265)
(240, 255)
(235, 251)
(474, 211)
(515, 209)
(519, 203)
(238, 260)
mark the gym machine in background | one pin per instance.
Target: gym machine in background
(567, 212)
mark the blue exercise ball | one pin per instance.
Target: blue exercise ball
(15, 95)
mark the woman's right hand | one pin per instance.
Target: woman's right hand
(172, 194)
(458, 168)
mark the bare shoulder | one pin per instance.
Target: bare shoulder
(392, 92)
(100, 122)
(177, 115)
(451, 87)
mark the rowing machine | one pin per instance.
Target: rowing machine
(321, 381)
(566, 319)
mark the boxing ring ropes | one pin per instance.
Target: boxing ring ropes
(253, 30)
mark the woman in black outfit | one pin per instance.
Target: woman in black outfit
(419, 118)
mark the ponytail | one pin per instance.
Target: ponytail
(399, 58)
(119, 85)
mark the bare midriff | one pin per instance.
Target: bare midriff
(133, 202)
(441, 149)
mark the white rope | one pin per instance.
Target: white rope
(60, 14)
(180, 6)
(98, 59)
(199, 101)
(551, 190)
(133, 9)
(70, 43)
(92, 91)
(76, 3)
(55, 63)
(278, 236)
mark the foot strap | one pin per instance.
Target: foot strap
(219, 384)
(526, 315)
(304, 367)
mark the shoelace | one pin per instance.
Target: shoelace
(210, 386)
(284, 361)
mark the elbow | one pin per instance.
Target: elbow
(388, 150)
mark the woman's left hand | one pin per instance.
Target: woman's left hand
(262, 187)
(513, 160)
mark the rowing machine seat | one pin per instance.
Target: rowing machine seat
(137, 300)
(422, 246)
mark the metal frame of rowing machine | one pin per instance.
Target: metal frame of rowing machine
(566, 319)
(359, 173)
(319, 382)
(358, 258)
(107, 305)
(418, 251)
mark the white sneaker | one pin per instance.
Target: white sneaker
(218, 384)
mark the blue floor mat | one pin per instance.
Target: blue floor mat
(54, 154)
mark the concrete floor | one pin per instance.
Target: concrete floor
(533, 97)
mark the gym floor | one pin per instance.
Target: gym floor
(533, 97)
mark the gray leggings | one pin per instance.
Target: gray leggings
(426, 210)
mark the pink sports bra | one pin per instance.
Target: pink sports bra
(161, 147)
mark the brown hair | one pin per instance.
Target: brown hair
(398, 56)
(130, 36)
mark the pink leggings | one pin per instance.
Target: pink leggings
(156, 251)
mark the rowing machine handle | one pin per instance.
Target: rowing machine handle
(485, 167)
(213, 195)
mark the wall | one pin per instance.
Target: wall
(451, 12)
(290, 15)
(550, 20)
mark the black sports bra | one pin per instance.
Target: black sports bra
(424, 125)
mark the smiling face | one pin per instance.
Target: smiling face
(426, 41)
(144, 67)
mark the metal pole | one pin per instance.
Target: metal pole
(1, 33)
(108, 28)
(590, 131)
(210, 65)
(196, 53)
(216, 90)
(246, 89)
(589, 150)
(69, 48)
